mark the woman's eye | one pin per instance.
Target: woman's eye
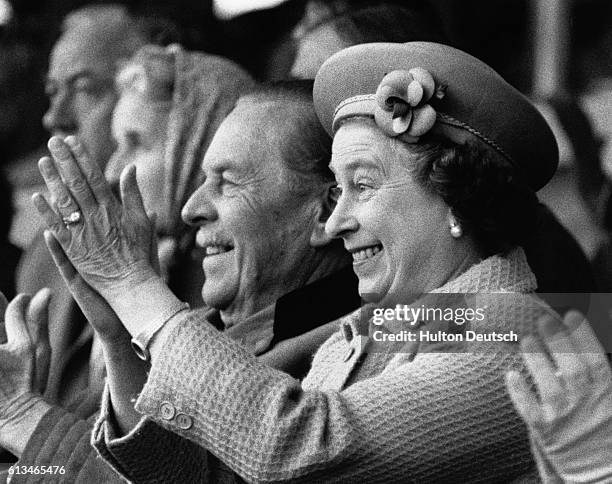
(362, 186)
(335, 192)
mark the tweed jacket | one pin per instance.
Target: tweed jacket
(357, 416)
(63, 435)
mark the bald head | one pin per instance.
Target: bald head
(104, 28)
(80, 82)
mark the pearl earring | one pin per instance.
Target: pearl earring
(455, 229)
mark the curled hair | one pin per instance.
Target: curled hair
(484, 192)
(150, 72)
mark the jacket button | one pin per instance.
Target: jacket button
(183, 421)
(167, 411)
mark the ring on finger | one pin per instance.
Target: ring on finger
(73, 218)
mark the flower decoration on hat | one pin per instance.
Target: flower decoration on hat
(402, 103)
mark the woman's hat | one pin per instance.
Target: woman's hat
(413, 88)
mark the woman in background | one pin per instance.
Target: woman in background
(171, 103)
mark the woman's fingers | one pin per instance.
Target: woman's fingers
(75, 283)
(130, 194)
(65, 267)
(98, 185)
(154, 249)
(60, 195)
(15, 321)
(95, 309)
(38, 323)
(53, 221)
(523, 398)
(71, 174)
(38, 316)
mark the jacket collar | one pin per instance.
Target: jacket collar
(507, 273)
(295, 313)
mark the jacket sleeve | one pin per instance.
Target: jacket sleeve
(150, 453)
(442, 416)
(63, 438)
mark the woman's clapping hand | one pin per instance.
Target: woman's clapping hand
(108, 242)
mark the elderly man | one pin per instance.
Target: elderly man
(80, 85)
(273, 279)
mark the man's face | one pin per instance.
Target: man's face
(80, 87)
(254, 227)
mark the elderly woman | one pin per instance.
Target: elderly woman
(171, 103)
(437, 159)
(328, 27)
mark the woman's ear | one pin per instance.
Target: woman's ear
(325, 206)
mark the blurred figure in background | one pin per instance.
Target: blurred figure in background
(171, 103)
(80, 85)
(328, 27)
(22, 137)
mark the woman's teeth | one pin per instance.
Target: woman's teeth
(364, 254)
(215, 249)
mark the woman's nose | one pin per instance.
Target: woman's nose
(341, 221)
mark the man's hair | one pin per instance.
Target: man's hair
(306, 146)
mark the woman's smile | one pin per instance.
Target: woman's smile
(366, 254)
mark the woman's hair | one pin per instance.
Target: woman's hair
(484, 192)
(150, 73)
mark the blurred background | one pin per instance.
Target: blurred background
(559, 52)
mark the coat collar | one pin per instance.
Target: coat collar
(508, 273)
(296, 313)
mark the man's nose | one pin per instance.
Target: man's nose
(60, 115)
(199, 209)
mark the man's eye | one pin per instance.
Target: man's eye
(362, 187)
(89, 86)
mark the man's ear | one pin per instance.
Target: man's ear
(325, 206)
